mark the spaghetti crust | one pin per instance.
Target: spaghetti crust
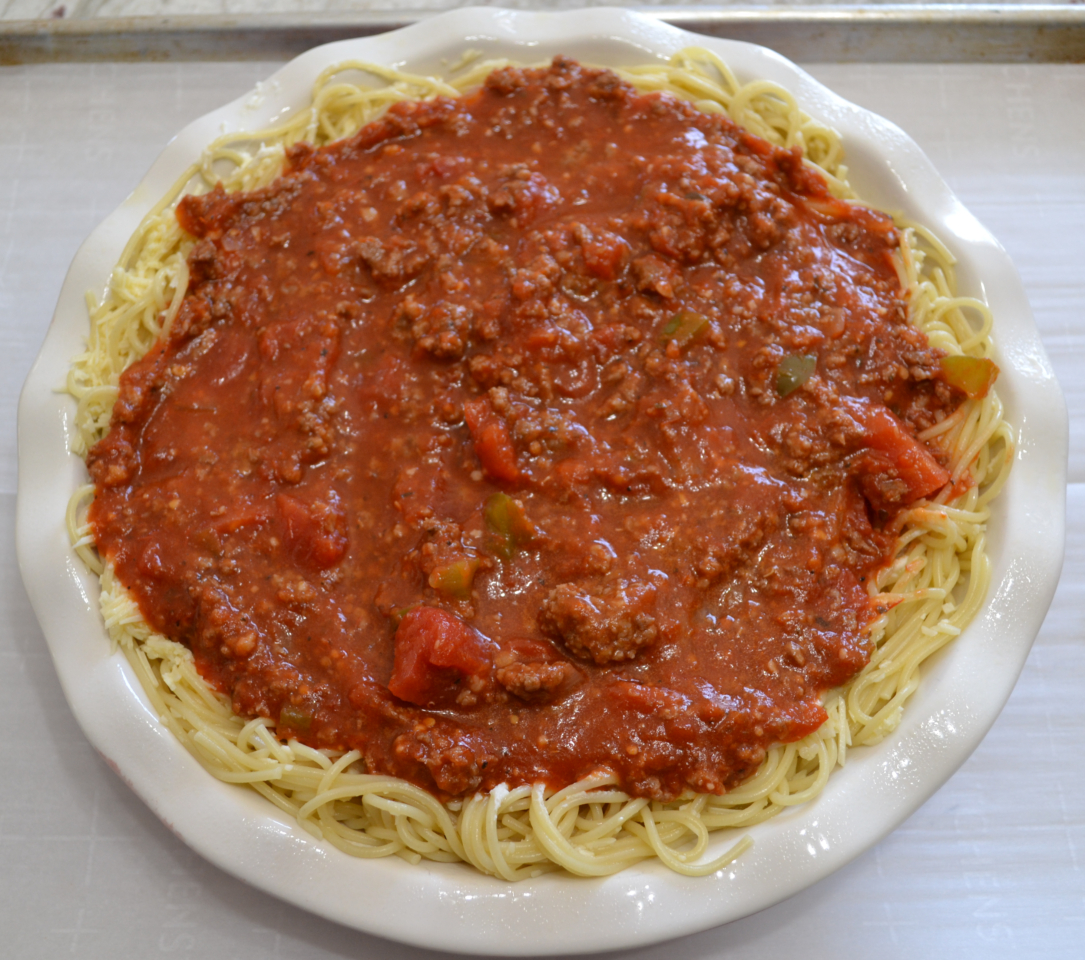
(934, 584)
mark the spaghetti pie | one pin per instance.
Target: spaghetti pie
(544, 452)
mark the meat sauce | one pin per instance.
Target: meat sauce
(553, 429)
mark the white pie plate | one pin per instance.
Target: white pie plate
(451, 907)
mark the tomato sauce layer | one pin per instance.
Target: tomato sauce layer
(553, 429)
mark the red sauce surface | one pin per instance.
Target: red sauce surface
(481, 442)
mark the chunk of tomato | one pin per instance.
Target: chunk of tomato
(914, 464)
(437, 657)
(492, 441)
(316, 533)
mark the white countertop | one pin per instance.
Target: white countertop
(992, 866)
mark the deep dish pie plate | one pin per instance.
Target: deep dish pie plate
(452, 907)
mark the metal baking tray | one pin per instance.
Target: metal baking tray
(915, 33)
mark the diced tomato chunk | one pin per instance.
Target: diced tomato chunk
(315, 533)
(913, 462)
(435, 653)
(492, 441)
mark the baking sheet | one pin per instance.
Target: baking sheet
(885, 33)
(990, 867)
